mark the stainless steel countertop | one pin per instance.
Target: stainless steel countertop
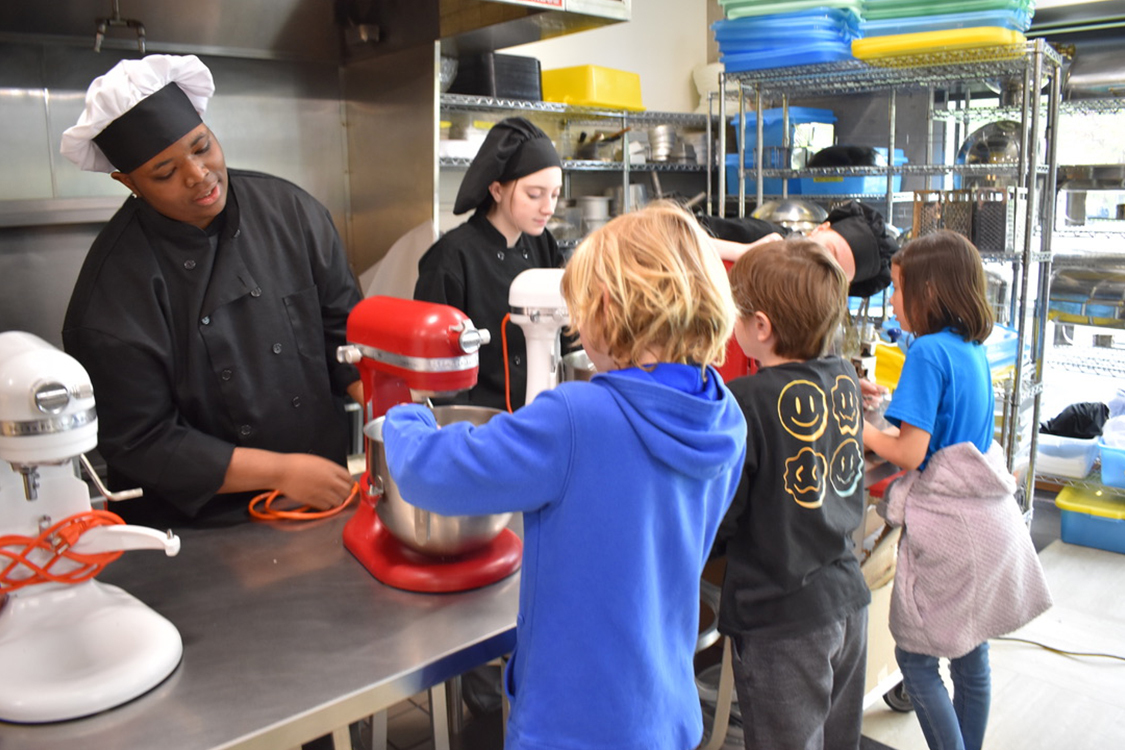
(286, 637)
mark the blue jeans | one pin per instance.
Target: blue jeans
(949, 725)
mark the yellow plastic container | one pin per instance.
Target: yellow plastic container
(888, 365)
(932, 42)
(593, 86)
(1092, 518)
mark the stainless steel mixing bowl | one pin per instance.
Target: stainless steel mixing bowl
(577, 366)
(422, 530)
(798, 215)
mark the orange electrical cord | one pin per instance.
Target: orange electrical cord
(507, 374)
(57, 539)
(300, 513)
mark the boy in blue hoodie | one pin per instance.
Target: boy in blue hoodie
(622, 481)
(794, 599)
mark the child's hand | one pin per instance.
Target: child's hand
(873, 394)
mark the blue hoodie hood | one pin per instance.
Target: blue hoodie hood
(683, 414)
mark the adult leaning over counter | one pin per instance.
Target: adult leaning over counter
(207, 312)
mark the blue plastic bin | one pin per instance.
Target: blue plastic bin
(1091, 519)
(855, 185)
(1113, 465)
(773, 129)
(770, 185)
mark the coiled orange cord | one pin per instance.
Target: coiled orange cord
(507, 373)
(300, 513)
(58, 539)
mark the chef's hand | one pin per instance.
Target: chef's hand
(312, 480)
(732, 251)
(302, 477)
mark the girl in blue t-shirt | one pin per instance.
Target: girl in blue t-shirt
(943, 398)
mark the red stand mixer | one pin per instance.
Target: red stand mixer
(409, 351)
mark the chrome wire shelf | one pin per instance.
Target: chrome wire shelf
(903, 72)
(579, 165)
(983, 170)
(1068, 107)
(467, 102)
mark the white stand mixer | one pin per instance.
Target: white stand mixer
(539, 309)
(69, 645)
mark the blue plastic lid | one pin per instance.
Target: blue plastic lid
(792, 56)
(769, 42)
(796, 114)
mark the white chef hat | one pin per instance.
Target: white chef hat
(136, 110)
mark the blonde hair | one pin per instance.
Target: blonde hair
(650, 283)
(800, 287)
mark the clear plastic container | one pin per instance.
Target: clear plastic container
(1061, 456)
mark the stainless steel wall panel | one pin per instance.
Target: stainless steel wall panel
(392, 122)
(38, 268)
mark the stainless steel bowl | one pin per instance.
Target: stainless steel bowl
(800, 216)
(422, 530)
(577, 366)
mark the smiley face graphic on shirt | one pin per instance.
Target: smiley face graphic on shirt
(802, 408)
(846, 405)
(846, 469)
(805, 478)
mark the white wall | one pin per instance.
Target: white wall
(663, 42)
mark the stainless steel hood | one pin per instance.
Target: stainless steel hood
(1092, 34)
(313, 30)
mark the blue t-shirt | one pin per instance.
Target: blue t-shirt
(946, 390)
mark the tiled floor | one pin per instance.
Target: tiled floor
(1040, 699)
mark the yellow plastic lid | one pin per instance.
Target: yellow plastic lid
(928, 42)
(1106, 503)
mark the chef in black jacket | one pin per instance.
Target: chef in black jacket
(512, 186)
(207, 312)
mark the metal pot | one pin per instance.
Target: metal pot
(577, 366)
(798, 215)
(422, 530)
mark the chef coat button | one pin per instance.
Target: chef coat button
(226, 374)
(296, 401)
(206, 320)
(244, 430)
(525, 255)
(277, 348)
(236, 233)
(189, 264)
(256, 292)
(500, 254)
(516, 359)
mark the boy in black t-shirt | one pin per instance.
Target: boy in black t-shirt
(794, 599)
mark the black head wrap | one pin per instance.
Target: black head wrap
(871, 243)
(512, 149)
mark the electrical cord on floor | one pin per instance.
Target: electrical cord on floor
(1059, 651)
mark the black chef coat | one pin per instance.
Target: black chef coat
(198, 344)
(471, 268)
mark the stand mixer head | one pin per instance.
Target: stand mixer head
(539, 309)
(411, 351)
(69, 645)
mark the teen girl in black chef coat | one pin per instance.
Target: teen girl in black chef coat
(512, 187)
